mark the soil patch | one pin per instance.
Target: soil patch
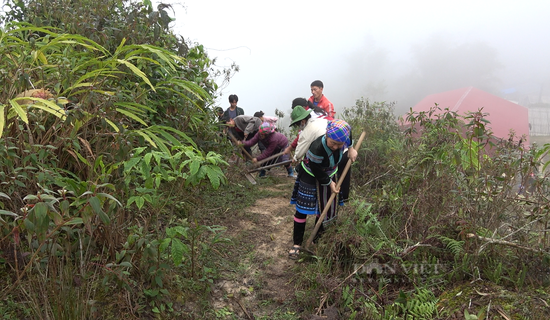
(262, 235)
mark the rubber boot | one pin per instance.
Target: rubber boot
(290, 171)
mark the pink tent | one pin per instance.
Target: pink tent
(503, 114)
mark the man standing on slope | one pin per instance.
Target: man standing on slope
(319, 100)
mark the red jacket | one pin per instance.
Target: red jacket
(325, 105)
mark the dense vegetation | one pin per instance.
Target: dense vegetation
(444, 213)
(110, 160)
(104, 119)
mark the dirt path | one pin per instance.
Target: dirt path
(260, 283)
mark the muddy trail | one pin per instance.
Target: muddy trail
(259, 285)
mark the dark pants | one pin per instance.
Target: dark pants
(344, 188)
(299, 218)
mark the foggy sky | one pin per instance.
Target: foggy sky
(398, 51)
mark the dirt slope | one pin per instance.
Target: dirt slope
(260, 283)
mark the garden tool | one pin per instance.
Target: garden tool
(270, 166)
(269, 158)
(246, 174)
(329, 203)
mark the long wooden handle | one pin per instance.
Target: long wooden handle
(271, 166)
(269, 158)
(241, 146)
(329, 203)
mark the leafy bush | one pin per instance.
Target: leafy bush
(98, 131)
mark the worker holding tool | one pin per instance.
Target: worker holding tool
(316, 178)
(244, 128)
(312, 127)
(274, 143)
(304, 113)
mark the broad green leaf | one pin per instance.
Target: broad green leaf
(194, 167)
(29, 225)
(94, 74)
(147, 138)
(130, 201)
(2, 119)
(131, 115)
(147, 158)
(19, 110)
(56, 217)
(158, 157)
(40, 55)
(177, 251)
(160, 143)
(106, 195)
(107, 93)
(168, 59)
(95, 47)
(114, 126)
(141, 108)
(164, 244)
(138, 72)
(74, 221)
(215, 175)
(81, 158)
(96, 206)
(170, 232)
(128, 165)
(8, 213)
(49, 106)
(182, 231)
(140, 201)
(83, 84)
(164, 129)
(41, 217)
(120, 47)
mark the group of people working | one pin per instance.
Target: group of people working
(257, 129)
(322, 149)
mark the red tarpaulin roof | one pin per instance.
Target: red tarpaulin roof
(503, 114)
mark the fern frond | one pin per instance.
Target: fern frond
(455, 246)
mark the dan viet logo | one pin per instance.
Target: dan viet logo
(402, 270)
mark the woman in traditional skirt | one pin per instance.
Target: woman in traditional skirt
(316, 179)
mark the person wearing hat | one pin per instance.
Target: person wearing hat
(314, 113)
(274, 143)
(312, 125)
(311, 128)
(316, 179)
